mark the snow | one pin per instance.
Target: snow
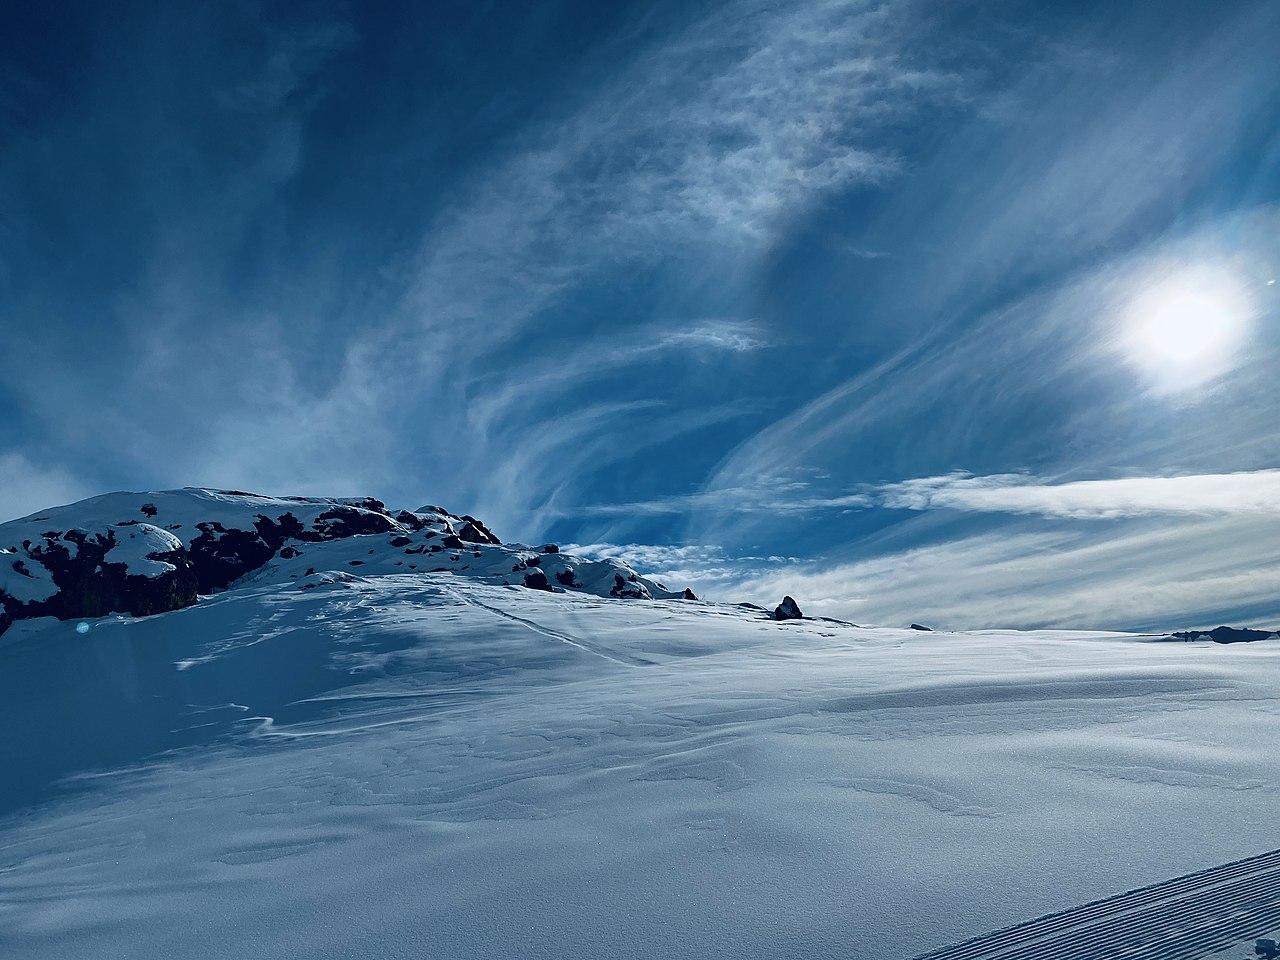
(300, 535)
(176, 511)
(22, 578)
(366, 763)
(136, 542)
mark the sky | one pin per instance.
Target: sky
(958, 313)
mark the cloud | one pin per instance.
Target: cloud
(26, 487)
(1039, 381)
(544, 381)
(1246, 492)
(1143, 575)
(707, 567)
(688, 158)
(728, 335)
(770, 495)
(649, 555)
(689, 161)
(712, 142)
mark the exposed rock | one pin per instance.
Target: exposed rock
(473, 531)
(1225, 635)
(89, 583)
(918, 626)
(410, 520)
(688, 594)
(98, 557)
(535, 579)
(351, 522)
(626, 588)
(220, 556)
(788, 609)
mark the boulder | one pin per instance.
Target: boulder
(536, 579)
(788, 609)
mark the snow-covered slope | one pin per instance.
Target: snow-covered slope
(379, 764)
(147, 553)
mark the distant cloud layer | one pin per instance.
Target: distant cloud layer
(1142, 575)
(1255, 491)
(26, 487)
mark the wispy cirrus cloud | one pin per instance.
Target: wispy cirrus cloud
(1245, 492)
(685, 153)
(707, 565)
(770, 495)
(544, 381)
(713, 140)
(1144, 574)
(691, 159)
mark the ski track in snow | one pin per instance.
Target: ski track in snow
(1186, 918)
(583, 645)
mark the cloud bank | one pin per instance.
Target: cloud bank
(1247, 492)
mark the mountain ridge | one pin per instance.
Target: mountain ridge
(144, 553)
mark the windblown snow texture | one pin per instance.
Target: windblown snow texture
(431, 766)
(147, 553)
(372, 761)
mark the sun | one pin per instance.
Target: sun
(1186, 326)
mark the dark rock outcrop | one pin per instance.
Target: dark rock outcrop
(473, 531)
(1225, 635)
(919, 626)
(788, 609)
(536, 579)
(626, 588)
(202, 541)
(89, 585)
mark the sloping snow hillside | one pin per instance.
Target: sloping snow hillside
(374, 762)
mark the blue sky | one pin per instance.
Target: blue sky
(961, 313)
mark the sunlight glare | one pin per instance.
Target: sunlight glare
(1187, 326)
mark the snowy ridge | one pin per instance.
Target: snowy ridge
(147, 553)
